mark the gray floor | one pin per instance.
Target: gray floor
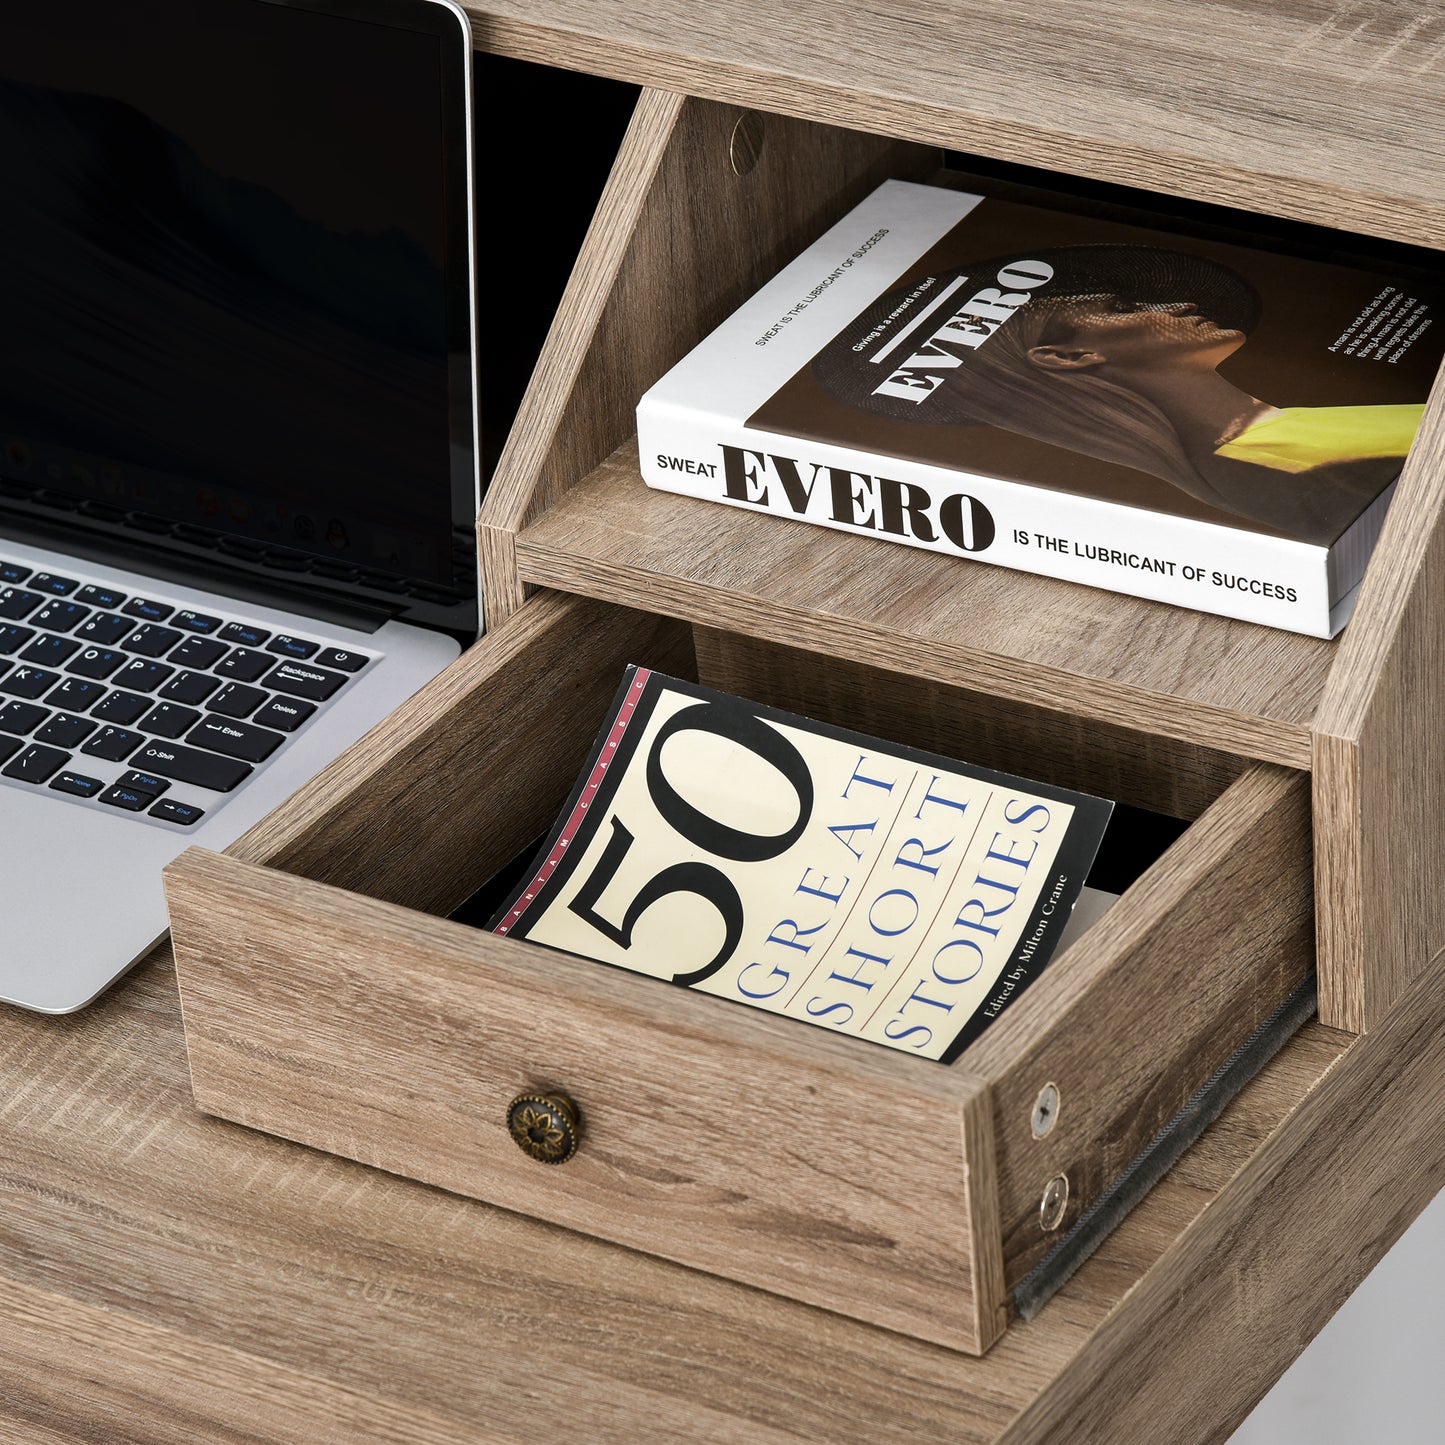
(1376, 1372)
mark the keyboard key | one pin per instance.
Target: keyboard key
(36, 763)
(131, 799)
(346, 661)
(61, 501)
(241, 547)
(152, 641)
(285, 713)
(197, 536)
(103, 512)
(104, 628)
(284, 560)
(143, 674)
(338, 570)
(243, 633)
(54, 586)
(177, 812)
(235, 739)
(292, 646)
(13, 572)
(146, 610)
(16, 602)
(60, 616)
(12, 635)
(122, 708)
(169, 720)
(97, 662)
(77, 783)
(195, 622)
(308, 682)
(244, 665)
(145, 522)
(151, 783)
(22, 717)
(51, 650)
(106, 597)
(237, 700)
(198, 652)
(189, 765)
(383, 582)
(9, 746)
(190, 687)
(75, 694)
(28, 682)
(113, 744)
(65, 730)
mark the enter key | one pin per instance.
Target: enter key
(235, 739)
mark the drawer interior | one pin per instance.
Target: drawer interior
(323, 1003)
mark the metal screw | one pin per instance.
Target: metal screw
(1046, 1110)
(1054, 1203)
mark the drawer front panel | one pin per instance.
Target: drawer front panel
(738, 1143)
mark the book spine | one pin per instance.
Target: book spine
(1231, 572)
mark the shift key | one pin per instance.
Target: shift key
(189, 765)
(300, 679)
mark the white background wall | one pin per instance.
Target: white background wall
(1376, 1372)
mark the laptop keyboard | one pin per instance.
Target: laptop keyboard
(142, 706)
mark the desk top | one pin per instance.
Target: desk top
(1326, 111)
(193, 1279)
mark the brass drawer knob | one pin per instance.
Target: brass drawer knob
(544, 1126)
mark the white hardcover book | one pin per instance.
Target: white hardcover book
(1180, 419)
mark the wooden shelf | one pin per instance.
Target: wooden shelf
(1188, 675)
(1329, 114)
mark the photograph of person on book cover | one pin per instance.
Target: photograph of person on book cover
(1118, 357)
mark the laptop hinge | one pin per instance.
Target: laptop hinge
(177, 568)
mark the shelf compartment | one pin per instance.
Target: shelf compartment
(1186, 675)
(682, 236)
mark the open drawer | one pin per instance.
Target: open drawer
(326, 1001)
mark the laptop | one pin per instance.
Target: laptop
(238, 454)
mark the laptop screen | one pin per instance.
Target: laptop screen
(235, 287)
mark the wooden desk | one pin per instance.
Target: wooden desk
(167, 1277)
(171, 1278)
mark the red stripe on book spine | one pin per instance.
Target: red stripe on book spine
(579, 814)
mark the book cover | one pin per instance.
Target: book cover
(1174, 417)
(854, 884)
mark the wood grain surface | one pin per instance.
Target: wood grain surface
(1129, 1021)
(1378, 752)
(1199, 679)
(119, 1197)
(75, 1372)
(648, 285)
(1321, 110)
(738, 1142)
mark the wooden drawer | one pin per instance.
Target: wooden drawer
(325, 1001)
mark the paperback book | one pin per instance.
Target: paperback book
(1181, 418)
(854, 884)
